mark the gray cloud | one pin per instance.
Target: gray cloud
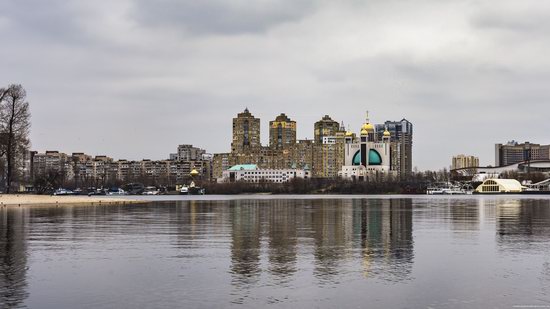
(41, 21)
(133, 79)
(530, 18)
(219, 16)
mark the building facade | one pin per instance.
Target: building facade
(246, 133)
(366, 157)
(329, 156)
(82, 170)
(325, 127)
(514, 152)
(464, 161)
(252, 173)
(188, 153)
(401, 134)
(282, 132)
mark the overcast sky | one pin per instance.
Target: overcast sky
(134, 78)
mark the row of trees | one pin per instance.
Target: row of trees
(415, 184)
(51, 180)
(14, 134)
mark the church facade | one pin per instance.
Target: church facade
(367, 155)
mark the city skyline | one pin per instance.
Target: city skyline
(265, 140)
(154, 77)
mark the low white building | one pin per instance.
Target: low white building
(251, 173)
(500, 186)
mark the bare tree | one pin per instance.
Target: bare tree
(14, 127)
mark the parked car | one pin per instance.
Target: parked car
(62, 191)
(151, 191)
(94, 191)
(134, 188)
(116, 191)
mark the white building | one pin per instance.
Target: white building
(500, 186)
(251, 173)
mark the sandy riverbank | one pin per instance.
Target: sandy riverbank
(44, 200)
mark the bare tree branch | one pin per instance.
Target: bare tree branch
(14, 130)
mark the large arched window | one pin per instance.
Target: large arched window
(374, 157)
(357, 158)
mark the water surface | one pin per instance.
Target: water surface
(279, 252)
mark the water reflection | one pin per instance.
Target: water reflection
(13, 258)
(283, 240)
(345, 236)
(522, 223)
(269, 251)
(386, 238)
(331, 225)
(245, 246)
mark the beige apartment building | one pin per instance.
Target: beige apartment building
(464, 161)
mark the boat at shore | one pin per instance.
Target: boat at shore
(447, 189)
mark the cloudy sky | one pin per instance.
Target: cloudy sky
(134, 78)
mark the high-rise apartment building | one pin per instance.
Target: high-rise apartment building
(246, 133)
(329, 156)
(302, 154)
(282, 132)
(401, 133)
(464, 161)
(325, 127)
(514, 152)
(188, 153)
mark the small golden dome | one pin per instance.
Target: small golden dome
(194, 172)
(349, 133)
(364, 132)
(387, 133)
(367, 126)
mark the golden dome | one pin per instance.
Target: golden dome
(349, 133)
(367, 126)
(387, 133)
(194, 172)
(364, 132)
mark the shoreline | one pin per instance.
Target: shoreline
(32, 200)
(16, 200)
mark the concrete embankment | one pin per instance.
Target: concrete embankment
(47, 200)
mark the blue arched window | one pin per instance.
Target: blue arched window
(357, 158)
(374, 158)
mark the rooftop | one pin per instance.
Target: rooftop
(243, 167)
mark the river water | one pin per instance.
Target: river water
(279, 252)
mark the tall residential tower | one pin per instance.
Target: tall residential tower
(324, 128)
(282, 132)
(401, 133)
(246, 133)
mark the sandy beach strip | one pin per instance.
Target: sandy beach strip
(48, 200)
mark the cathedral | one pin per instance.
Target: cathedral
(367, 155)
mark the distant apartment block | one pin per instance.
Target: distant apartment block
(464, 161)
(514, 152)
(246, 133)
(188, 153)
(401, 135)
(82, 170)
(282, 132)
